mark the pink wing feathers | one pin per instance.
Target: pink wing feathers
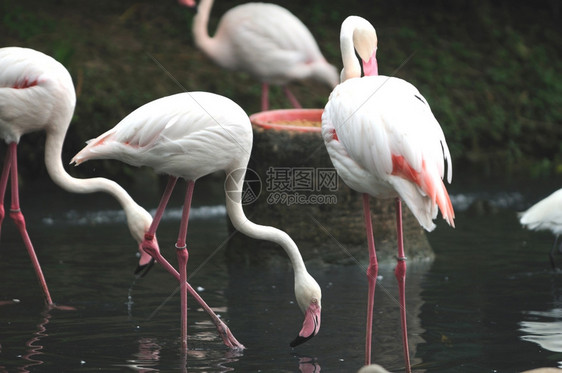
(387, 139)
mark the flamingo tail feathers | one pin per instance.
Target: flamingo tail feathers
(432, 186)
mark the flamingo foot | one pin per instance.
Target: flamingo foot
(228, 338)
(61, 308)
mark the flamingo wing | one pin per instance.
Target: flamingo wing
(167, 133)
(545, 214)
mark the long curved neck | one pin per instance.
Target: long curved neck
(200, 26)
(262, 232)
(53, 162)
(351, 66)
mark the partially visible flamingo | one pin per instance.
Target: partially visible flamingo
(546, 215)
(385, 142)
(266, 41)
(190, 135)
(37, 93)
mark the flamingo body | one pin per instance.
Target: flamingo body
(383, 139)
(264, 40)
(546, 215)
(189, 135)
(36, 93)
(270, 43)
(156, 135)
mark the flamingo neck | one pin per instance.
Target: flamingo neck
(351, 66)
(200, 27)
(138, 219)
(261, 232)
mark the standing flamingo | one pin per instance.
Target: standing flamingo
(190, 135)
(385, 142)
(546, 215)
(266, 41)
(36, 93)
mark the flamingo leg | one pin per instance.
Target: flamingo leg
(264, 97)
(400, 273)
(152, 249)
(19, 220)
(372, 272)
(292, 98)
(4, 183)
(183, 256)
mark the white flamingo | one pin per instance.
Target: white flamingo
(385, 142)
(546, 215)
(190, 135)
(266, 41)
(37, 94)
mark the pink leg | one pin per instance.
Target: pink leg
(372, 272)
(152, 249)
(4, 183)
(17, 216)
(400, 273)
(292, 98)
(183, 256)
(264, 97)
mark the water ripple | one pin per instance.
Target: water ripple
(84, 218)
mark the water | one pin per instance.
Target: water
(488, 303)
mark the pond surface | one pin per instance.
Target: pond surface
(489, 302)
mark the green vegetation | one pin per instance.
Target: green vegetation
(491, 71)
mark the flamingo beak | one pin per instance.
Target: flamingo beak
(310, 326)
(145, 263)
(370, 68)
(142, 269)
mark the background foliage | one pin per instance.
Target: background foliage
(491, 70)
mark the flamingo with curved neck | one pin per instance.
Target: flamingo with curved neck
(37, 93)
(190, 135)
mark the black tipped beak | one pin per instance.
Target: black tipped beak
(142, 270)
(300, 340)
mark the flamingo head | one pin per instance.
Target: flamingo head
(139, 221)
(187, 3)
(309, 297)
(365, 42)
(357, 34)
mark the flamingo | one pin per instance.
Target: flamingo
(266, 41)
(384, 142)
(546, 215)
(36, 93)
(189, 135)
